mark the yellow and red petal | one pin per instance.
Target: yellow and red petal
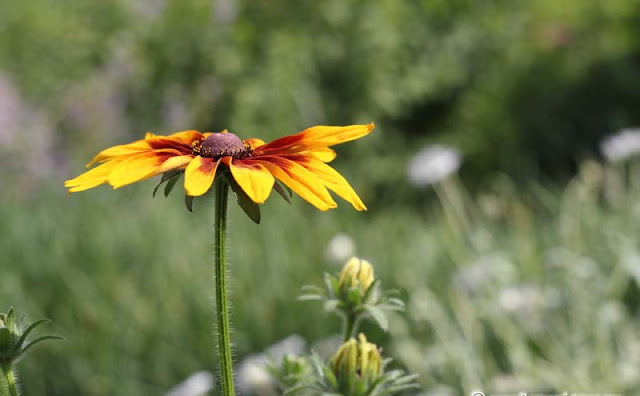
(186, 137)
(298, 179)
(92, 178)
(254, 179)
(313, 138)
(139, 167)
(253, 143)
(122, 150)
(199, 175)
(330, 178)
(181, 141)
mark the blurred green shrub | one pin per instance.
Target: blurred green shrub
(517, 86)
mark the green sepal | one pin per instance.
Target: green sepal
(285, 194)
(249, 207)
(330, 305)
(170, 184)
(10, 322)
(5, 340)
(188, 202)
(29, 329)
(171, 176)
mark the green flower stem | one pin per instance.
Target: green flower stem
(349, 326)
(7, 373)
(222, 309)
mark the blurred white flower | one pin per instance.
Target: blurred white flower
(326, 347)
(292, 345)
(433, 164)
(485, 271)
(340, 248)
(252, 375)
(520, 299)
(611, 313)
(621, 145)
(198, 383)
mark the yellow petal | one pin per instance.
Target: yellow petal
(324, 154)
(92, 178)
(180, 161)
(254, 179)
(300, 180)
(314, 138)
(134, 148)
(331, 179)
(199, 176)
(138, 167)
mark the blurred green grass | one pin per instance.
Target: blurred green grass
(536, 291)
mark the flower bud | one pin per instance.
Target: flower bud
(358, 273)
(8, 334)
(357, 360)
(13, 336)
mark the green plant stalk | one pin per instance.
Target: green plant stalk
(7, 373)
(349, 325)
(222, 309)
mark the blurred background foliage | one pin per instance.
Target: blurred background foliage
(525, 91)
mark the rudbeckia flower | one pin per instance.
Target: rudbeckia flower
(298, 161)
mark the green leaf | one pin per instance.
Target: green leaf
(170, 175)
(283, 193)
(313, 289)
(249, 207)
(37, 341)
(379, 316)
(310, 297)
(188, 202)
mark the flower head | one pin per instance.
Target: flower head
(299, 161)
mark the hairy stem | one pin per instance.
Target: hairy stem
(349, 326)
(7, 373)
(222, 309)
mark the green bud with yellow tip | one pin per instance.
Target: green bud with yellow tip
(356, 364)
(356, 273)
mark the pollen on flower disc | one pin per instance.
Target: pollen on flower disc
(222, 144)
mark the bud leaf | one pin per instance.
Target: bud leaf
(378, 316)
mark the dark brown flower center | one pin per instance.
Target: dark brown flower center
(221, 145)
